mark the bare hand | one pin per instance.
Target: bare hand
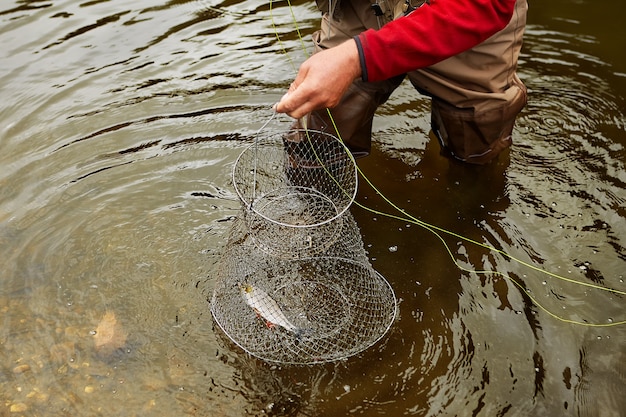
(322, 80)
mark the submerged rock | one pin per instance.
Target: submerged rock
(109, 335)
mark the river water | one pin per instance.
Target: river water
(120, 122)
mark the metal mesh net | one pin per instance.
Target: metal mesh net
(295, 186)
(294, 284)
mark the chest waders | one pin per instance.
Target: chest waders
(476, 95)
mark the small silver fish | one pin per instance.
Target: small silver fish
(266, 307)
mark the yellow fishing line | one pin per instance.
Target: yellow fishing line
(435, 229)
(280, 42)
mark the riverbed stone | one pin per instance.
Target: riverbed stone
(20, 369)
(18, 408)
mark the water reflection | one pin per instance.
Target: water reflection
(116, 146)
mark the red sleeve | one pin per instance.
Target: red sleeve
(431, 33)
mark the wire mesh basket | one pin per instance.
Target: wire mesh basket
(294, 284)
(295, 186)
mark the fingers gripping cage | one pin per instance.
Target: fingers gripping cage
(294, 187)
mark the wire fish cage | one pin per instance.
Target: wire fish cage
(301, 311)
(294, 187)
(294, 284)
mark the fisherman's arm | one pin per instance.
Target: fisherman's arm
(431, 33)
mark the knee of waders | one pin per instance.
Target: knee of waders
(478, 134)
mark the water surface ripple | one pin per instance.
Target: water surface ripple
(120, 123)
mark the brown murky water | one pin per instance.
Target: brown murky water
(119, 126)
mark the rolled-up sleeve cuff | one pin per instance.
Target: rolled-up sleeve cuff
(359, 47)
